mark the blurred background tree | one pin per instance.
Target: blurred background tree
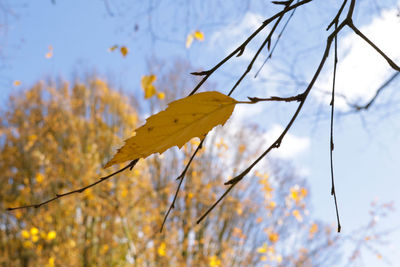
(56, 137)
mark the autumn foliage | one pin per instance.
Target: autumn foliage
(56, 137)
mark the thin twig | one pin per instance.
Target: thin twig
(377, 92)
(234, 181)
(266, 41)
(240, 49)
(333, 190)
(180, 178)
(276, 43)
(80, 190)
(359, 33)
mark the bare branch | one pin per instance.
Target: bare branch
(80, 190)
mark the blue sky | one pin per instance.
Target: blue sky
(366, 144)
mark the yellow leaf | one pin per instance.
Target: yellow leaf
(34, 231)
(263, 249)
(161, 95)
(189, 40)
(192, 116)
(273, 237)
(39, 178)
(124, 51)
(49, 53)
(147, 85)
(214, 261)
(162, 249)
(35, 238)
(51, 235)
(112, 48)
(297, 215)
(198, 35)
(313, 230)
(25, 234)
(17, 83)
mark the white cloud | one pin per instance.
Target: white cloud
(234, 34)
(361, 70)
(291, 146)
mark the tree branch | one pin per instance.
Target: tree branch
(80, 190)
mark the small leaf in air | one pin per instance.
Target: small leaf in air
(124, 51)
(196, 35)
(49, 53)
(17, 83)
(147, 85)
(112, 48)
(184, 119)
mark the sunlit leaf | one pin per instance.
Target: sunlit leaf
(214, 261)
(51, 235)
(147, 85)
(124, 51)
(297, 215)
(25, 234)
(49, 53)
(192, 116)
(112, 48)
(198, 35)
(273, 237)
(161, 95)
(17, 83)
(162, 249)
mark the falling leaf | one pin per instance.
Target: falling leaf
(161, 95)
(192, 116)
(147, 85)
(189, 40)
(17, 83)
(112, 48)
(124, 51)
(198, 35)
(49, 53)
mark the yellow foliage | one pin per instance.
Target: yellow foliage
(51, 235)
(192, 116)
(263, 249)
(297, 215)
(214, 261)
(25, 234)
(39, 177)
(273, 237)
(34, 231)
(313, 230)
(35, 238)
(162, 249)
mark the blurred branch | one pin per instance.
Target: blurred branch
(80, 190)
